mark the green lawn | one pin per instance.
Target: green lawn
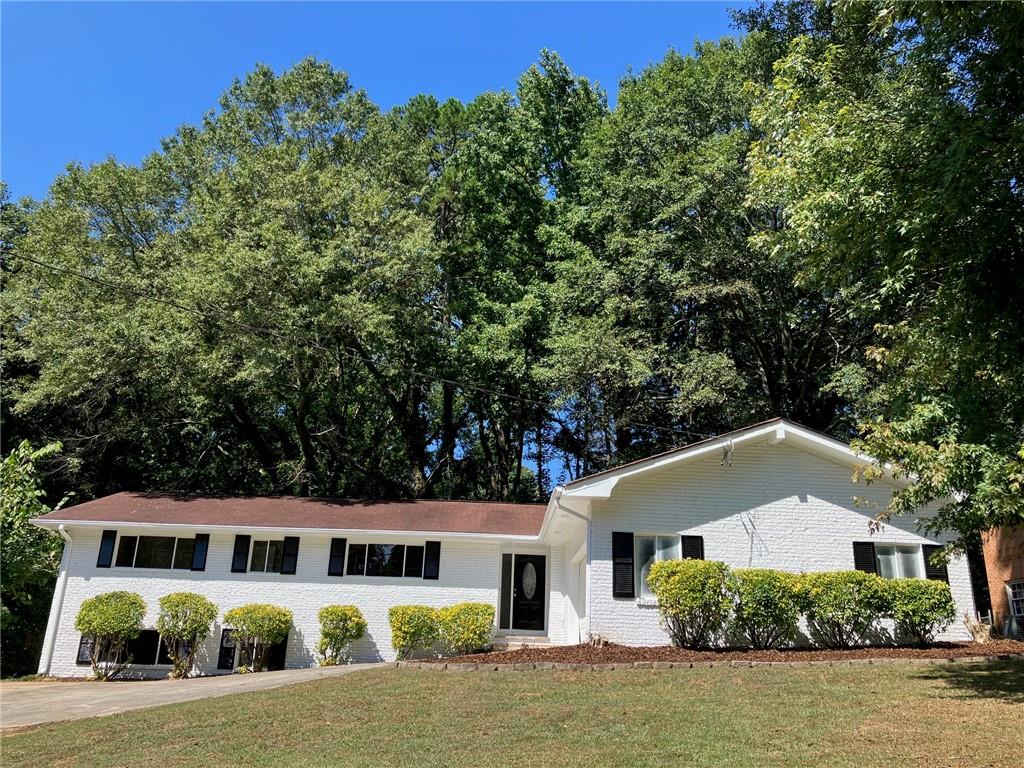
(895, 715)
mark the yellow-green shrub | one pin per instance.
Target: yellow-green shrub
(111, 620)
(920, 607)
(413, 628)
(256, 627)
(843, 607)
(466, 627)
(183, 623)
(767, 609)
(695, 598)
(340, 626)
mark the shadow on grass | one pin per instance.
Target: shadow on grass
(980, 680)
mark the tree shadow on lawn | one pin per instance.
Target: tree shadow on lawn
(980, 680)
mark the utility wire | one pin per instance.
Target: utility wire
(346, 351)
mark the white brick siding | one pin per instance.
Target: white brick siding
(469, 572)
(774, 507)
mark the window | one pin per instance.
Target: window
(1016, 590)
(266, 556)
(385, 559)
(414, 562)
(148, 648)
(647, 551)
(159, 552)
(895, 561)
(395, 560)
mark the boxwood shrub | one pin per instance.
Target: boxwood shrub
(256, 627)
(111, 620)
(466, 627)
(921, 608)
(413, 628)
(843, 607)
(768, 605)
(340, 626)
(695, 598)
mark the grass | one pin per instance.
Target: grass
(948, 715)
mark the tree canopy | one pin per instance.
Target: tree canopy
(818, 218)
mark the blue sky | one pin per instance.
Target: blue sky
(81, 81)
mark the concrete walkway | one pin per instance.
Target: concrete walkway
(32, 703)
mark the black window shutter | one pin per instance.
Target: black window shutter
(106, 549)
(290, 555)
(864, 556)
(226, 656)
(199, 552)
(432, 560)
(692, 547)
(241, 556)
(84, 650)
(936, 572)
(505, 603)
(622, 564)
(336, 563)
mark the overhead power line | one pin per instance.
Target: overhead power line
(223, 316)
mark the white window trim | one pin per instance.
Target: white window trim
(366, 559)
(266, 555)
(899, 565)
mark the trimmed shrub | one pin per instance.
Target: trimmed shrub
(110, 620)
(184, 622)
(340, 626)
(843, 607)
(256, 627)
(921, 608)
(768, 607)
(695, 598)
(466, 627)
(413, 628)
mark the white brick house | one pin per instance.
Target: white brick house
(771, 495)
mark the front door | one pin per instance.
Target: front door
(528, 590)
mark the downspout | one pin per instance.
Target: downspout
(58, 603)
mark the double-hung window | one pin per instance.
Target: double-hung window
(1016, 590)
(899, 561)
(649, 549)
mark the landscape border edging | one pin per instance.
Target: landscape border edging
(441, 666)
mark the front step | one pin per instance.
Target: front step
(511, 642)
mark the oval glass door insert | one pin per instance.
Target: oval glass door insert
(529, 581)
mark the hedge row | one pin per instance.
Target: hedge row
(705, 603)
(461, 629)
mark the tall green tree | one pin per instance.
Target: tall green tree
(895, 155)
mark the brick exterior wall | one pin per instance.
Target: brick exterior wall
(775, 507)
(1004, 562)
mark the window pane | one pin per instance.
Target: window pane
(668, 548)
(356, 559)
(384, 559)
(886, 557)
(154, 552)
(274, 551)
(143, 649)
(259, 556)
(126, 551)
(645, 552)
(183, 554)
(414, 562)
(911, 565)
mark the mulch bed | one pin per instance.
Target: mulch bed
(613, 654)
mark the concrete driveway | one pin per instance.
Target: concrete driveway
(32, 703)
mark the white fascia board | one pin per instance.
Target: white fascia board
(460, 535)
